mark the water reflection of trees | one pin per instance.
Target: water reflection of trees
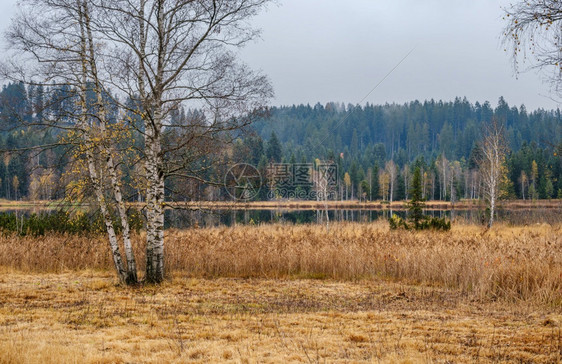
(182, 219)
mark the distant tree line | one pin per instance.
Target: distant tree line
(376, 148)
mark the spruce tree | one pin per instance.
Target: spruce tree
(417, 203)
(274, 151)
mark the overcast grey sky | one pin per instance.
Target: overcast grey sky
(333, 50)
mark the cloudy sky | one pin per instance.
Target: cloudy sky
(333, 50)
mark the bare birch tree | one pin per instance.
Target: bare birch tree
(55, 40)
(392, 172)
(491, 162)
(533, 34)
(442, 169)
(162, 55)
(323, 187)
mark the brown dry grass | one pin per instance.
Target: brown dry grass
(245, 294)
(507, 263)
(85, 318)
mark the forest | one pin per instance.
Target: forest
(162, 200)
(375, 148)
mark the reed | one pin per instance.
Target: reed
(507, 262)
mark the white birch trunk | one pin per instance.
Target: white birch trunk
(94, 176)
(108, 153)
(113, 243)
(155, 203)
(154, 166)
(493, 153)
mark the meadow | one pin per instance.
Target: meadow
(290, 293)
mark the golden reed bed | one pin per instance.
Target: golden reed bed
(283, 293)
(513, 263)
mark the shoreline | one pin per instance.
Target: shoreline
(291, 205)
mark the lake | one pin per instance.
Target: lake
(186, 218)
(182, 219)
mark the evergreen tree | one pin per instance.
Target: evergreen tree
(364, 190)
(262, 168)
(417, 203)
(400, 190)
(274, 152)
(354, 176)
(375, 190)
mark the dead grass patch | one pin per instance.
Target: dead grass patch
(73, 318)
(506, 263)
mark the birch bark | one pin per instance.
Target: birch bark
(89, 147)
(107, 152)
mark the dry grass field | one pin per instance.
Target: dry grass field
(283, 293)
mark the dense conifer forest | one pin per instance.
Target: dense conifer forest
(375, 147)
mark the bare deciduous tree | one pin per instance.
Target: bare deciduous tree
(54, 38)
(442, 168)
(323, 187)
(167, 52)
(533, 34)
(392, 172)
(491, 162)
(157, 56)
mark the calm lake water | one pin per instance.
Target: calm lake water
(182, 219)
